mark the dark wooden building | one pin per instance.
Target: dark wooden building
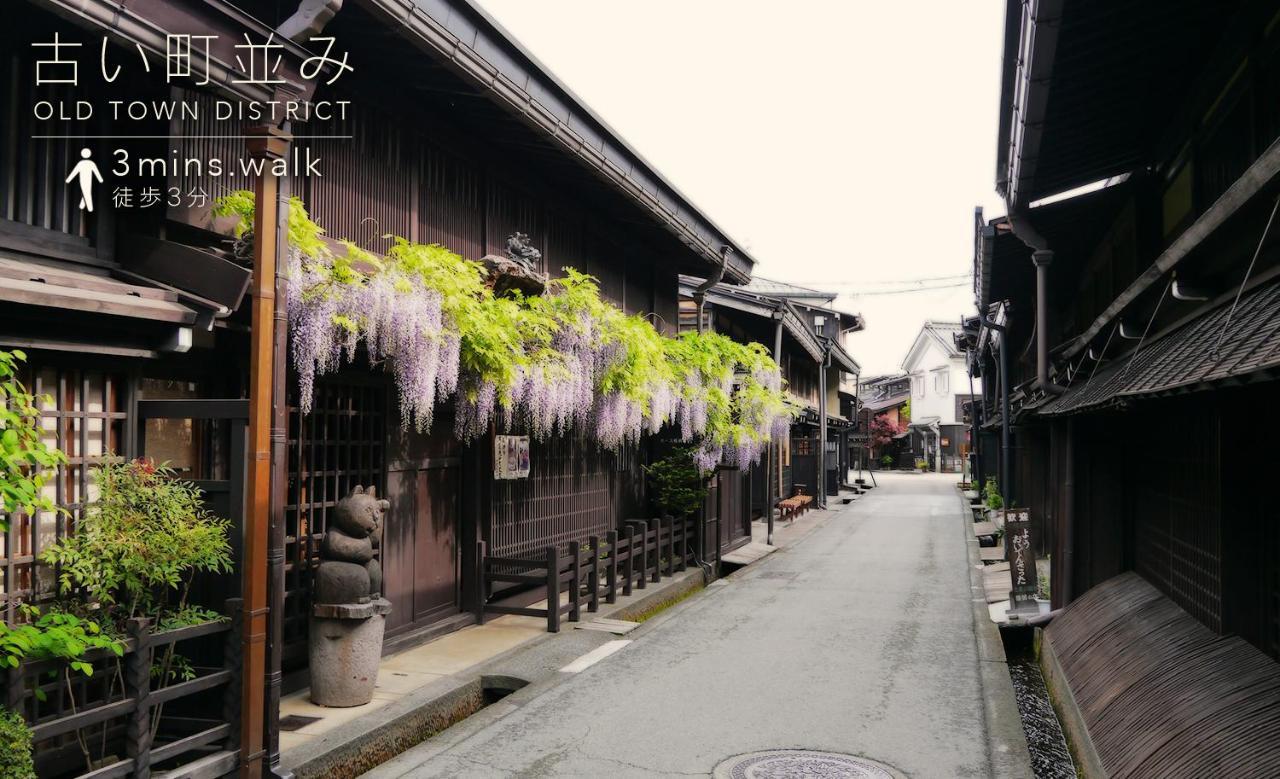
(805, 337)
(1127, 335)
(136, 319)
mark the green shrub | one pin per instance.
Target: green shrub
(992, 494)
(678, 487)
(15, 747)
(140, 542)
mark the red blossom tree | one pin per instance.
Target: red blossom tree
(883, 429)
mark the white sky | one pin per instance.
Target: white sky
(844, 143)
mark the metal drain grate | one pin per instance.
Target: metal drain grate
(802, 764)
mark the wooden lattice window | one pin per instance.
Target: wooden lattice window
(569, 496)
(339, 445)
(85, 416)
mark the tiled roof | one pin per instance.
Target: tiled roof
(944, 333)
(782, 289)
(1182, 360)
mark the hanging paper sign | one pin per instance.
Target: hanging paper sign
(511, 457)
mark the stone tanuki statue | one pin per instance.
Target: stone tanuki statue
(348, 572)
(348, 613)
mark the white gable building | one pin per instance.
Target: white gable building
(939, 389)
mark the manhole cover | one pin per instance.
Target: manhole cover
(802, 764)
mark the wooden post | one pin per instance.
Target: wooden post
(593, 578)
(671, 547)
(629, 568)
(643, 579)
(553, 589)
(267, 144)
(231, 660)
(611, 538)
(656, 528)
(575, 580)
(137, 686)
(482, 582)
(13, 689)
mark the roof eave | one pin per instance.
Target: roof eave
(1021, 133)
(556, 111)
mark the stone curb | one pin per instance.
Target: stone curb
(1006, 743)
(1070, 717)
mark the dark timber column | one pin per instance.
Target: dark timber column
(279, 478)
(773, 492)
(267, 144)
(821, 493)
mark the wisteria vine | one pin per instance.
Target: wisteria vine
(557, 362)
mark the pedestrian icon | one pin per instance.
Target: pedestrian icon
(86, 170)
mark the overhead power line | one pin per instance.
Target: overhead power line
(957, 278)
(906, 291)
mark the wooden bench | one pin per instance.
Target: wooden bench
(794, 506)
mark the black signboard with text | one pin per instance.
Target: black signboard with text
(1022, 559)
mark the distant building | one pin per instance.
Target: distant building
(887, 397)
(939, 390)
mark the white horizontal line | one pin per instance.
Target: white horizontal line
(594, 656)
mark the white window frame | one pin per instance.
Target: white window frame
(942, 377)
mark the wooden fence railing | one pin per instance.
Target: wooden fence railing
(113, 719)
(639, 552)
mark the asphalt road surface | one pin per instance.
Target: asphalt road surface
(858, 638)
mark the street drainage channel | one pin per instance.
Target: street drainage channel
(1050, 756)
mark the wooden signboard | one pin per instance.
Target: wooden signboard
(1022, 559)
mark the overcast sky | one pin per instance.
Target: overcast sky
(843, 143)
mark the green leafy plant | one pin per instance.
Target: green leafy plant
(922, 464)
(677, 486)
(54, 635)
(57, 635)
(136, 550)
(141, 541)
(15, 747)
(25, 459)
(991, 493)
(887, 461)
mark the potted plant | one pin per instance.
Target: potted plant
(922, 464)
(887, 461)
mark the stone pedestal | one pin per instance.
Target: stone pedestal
(345, 647)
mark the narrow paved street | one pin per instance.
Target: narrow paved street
(856, 639)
